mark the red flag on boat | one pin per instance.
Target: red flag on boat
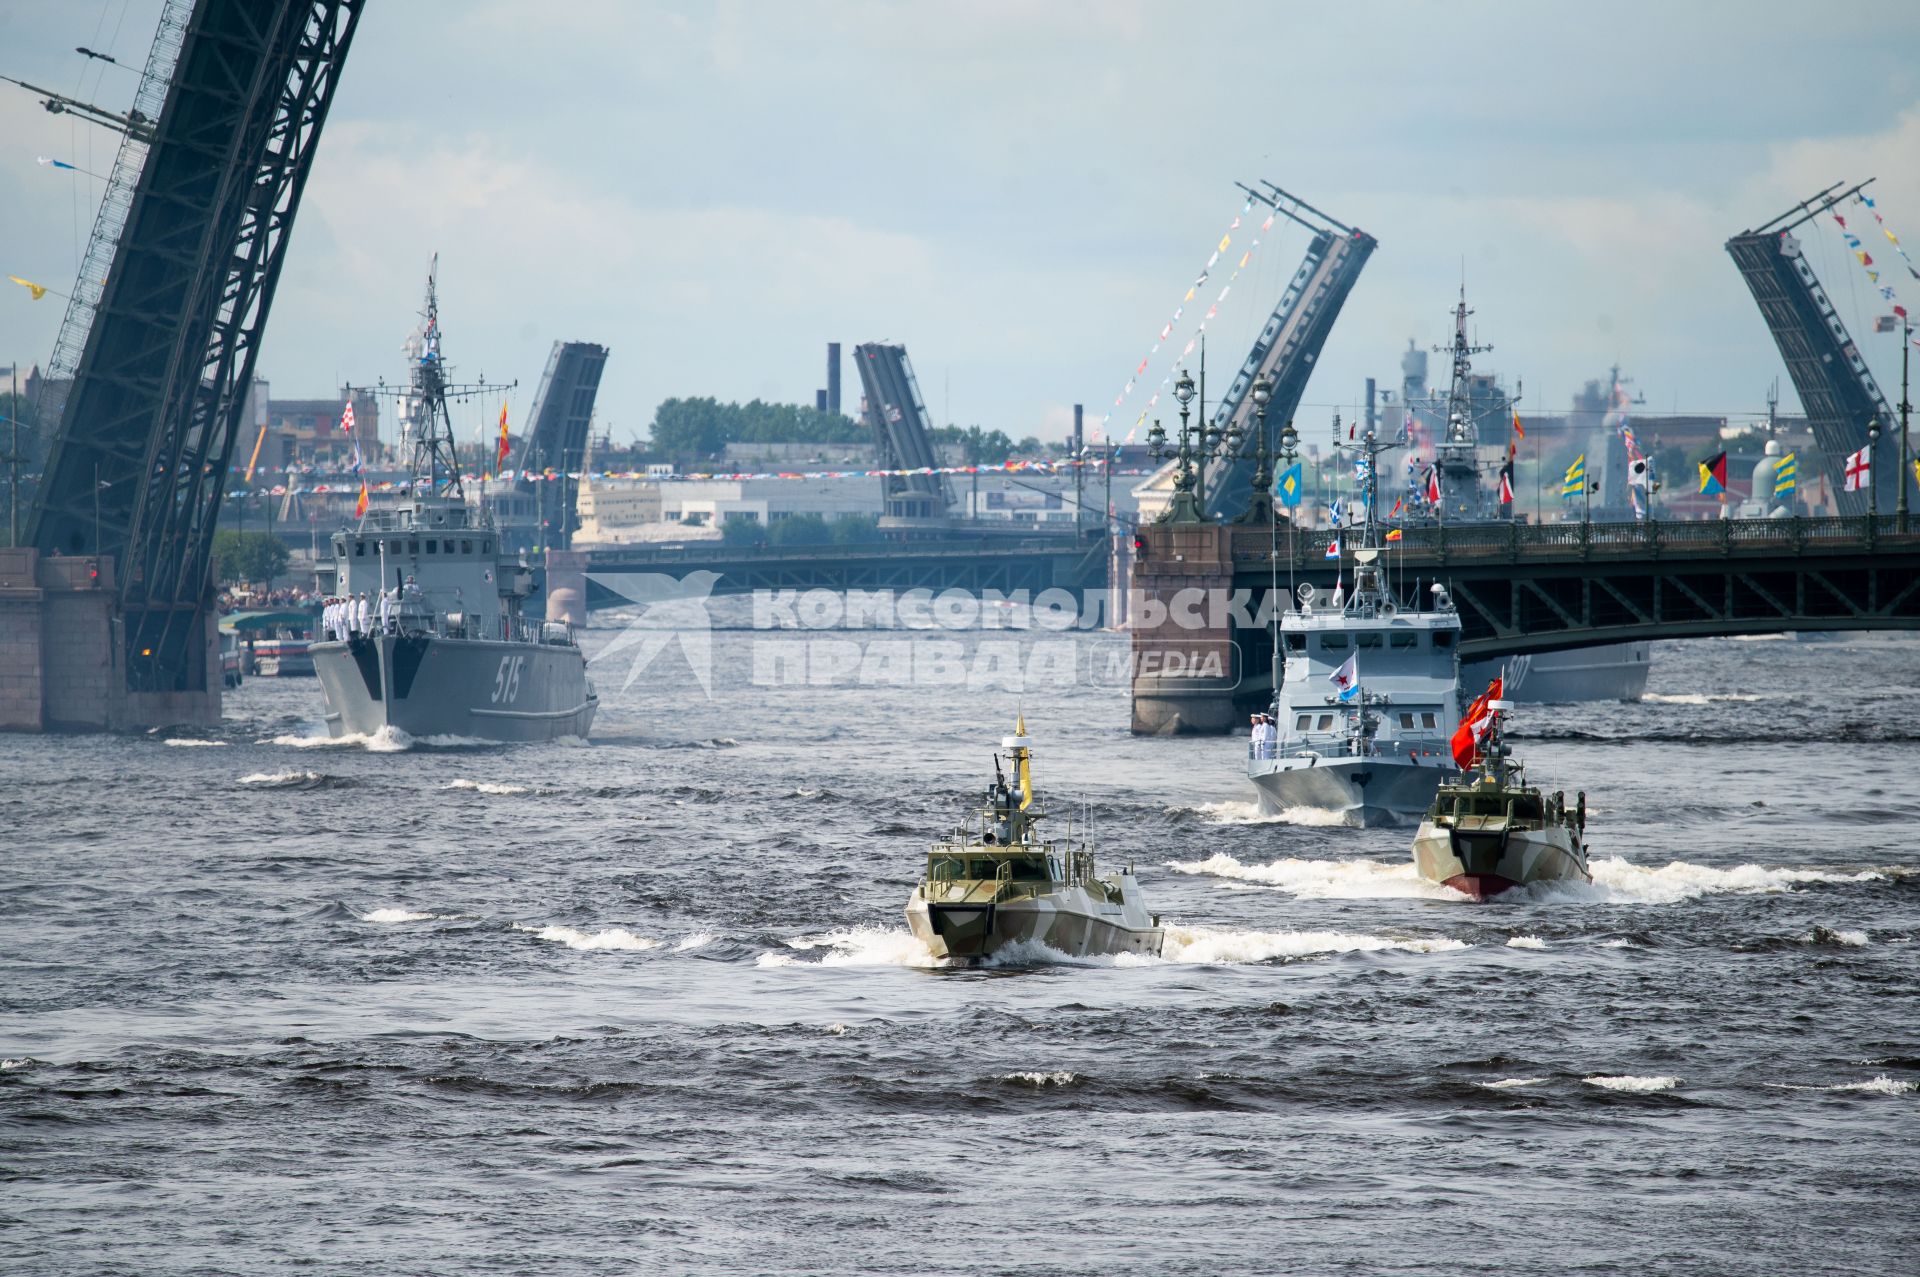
(1433, 484)
(1473, 727)
(1506, 484)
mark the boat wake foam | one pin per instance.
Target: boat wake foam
(183, 742)
(388, 740)
(286, 780)
(1232, 812)
(1617, 881)
(611, 938)
(1040, 1081)
(1881, 1085)
(1324, 879)
(485, 787)
(1212, 947)
(393, 915)
(853, 947)
(1700, 698)
(1638, 1085)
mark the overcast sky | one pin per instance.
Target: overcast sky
(1021, 191)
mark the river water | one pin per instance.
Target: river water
(649, 1005)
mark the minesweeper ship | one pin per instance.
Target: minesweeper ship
(1490, 831)
(1368, 698)
(434, 641)
(995, 883)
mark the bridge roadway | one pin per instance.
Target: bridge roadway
(1522, 588)
(977, 564)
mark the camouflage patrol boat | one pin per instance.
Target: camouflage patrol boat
(1490, 831)
(996, 883)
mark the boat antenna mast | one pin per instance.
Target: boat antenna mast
(426, 423)
(1455, 453)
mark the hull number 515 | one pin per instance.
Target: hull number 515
(506, 683)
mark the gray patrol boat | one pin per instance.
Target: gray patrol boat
(1491, 831)
(995, 883)
(1367, 696)
(437, 643)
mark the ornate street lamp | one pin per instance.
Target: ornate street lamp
(1260, 499)
(1873, 466)
(1183, 508)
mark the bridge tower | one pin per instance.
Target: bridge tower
(1289, 346)
(911, 504)
(1837, 391)
(168, 313)
(562, 416)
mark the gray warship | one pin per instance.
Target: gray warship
(995, 883)
(1368, 694)
(1490, 831)
(437, 642)
(1602, 672)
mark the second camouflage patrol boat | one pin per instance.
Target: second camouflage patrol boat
(996, 883)
(1491, 831)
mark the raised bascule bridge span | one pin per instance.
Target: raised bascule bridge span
(106, 613)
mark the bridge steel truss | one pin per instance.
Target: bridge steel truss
(976, 565)
(1541, 589)
(140, 460)
(1835, 387)
(562, 416)
(903, 435)
(1287, 349)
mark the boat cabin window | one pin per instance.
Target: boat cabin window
(1404, 639)
(1296, 642)
(1406, 720)
(1367, 638)
(1333, 642)
(1326, 722)
(432, 545)
(413, 547)
(466, 547)
(1303, 722)
(945, 868)
(1443, 638)
(359, 549)
(1428, 720)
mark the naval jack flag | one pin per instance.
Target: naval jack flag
(1346, 679)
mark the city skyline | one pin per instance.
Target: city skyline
(1022, 199)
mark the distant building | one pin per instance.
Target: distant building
(622, 513)
(303, 432)
(835, 454)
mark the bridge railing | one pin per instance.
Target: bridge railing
(1483, 541)
(965, 546)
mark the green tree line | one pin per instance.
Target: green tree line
(704, 427)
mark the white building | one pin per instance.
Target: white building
(629, 512)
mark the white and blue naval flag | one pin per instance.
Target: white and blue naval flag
(1346, 679)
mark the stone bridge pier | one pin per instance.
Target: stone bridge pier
(1186, 667)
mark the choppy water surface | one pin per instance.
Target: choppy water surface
(649, 1005)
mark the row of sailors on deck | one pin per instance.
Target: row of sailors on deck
(1266, 736)
(351, 615)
